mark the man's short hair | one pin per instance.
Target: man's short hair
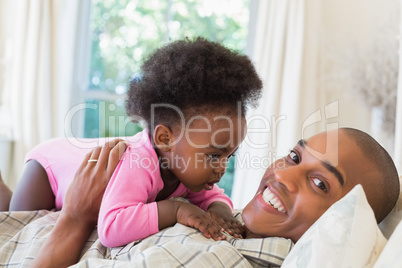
(388, 179)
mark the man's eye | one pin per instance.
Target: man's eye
(320, 184)
(295, 158)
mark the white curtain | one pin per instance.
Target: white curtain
(284, 50)
(398, 118)
(36, 91)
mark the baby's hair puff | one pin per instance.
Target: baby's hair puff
(192, 75)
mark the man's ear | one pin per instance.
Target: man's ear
(163, 137)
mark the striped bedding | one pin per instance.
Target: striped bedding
(22, 234)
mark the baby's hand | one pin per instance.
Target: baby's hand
(222, 214)
(192, 216)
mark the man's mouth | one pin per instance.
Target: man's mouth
(271, 199)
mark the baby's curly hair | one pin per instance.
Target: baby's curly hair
(192, 75)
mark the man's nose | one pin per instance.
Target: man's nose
(289, 177)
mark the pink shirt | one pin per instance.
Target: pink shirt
(128, 211)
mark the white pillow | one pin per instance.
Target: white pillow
(346, 235)
(391, 256)
(390, 222)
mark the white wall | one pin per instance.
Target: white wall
(350, 27)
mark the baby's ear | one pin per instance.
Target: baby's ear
(163, 137)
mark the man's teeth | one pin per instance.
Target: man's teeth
(271, 199)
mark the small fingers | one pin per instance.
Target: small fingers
(234, 228)
(211, 230)
(235, 232)
(216, 233)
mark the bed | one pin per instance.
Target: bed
(345, 236)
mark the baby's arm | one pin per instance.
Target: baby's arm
(223, 215)
(127, 215)
(170, 212)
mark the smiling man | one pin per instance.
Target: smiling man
(297, 189)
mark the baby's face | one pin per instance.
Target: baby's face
(201, 150)
(297, 189)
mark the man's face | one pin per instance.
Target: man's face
(297, 189)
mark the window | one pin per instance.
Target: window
(124, 32)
